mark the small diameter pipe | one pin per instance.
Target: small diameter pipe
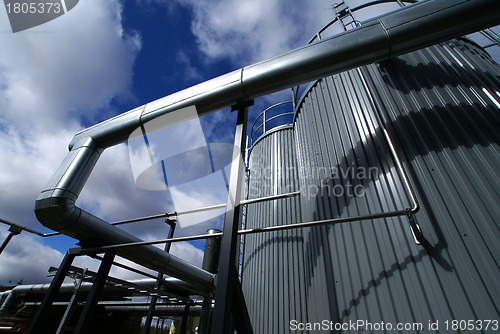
(390, 214)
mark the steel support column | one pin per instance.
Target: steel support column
(210, 263)
(71, 306)
(157, 326)
(88, 312)
(39, 320)
(14, 230)
(212, 252)
(185, 317)
(154, 299)
(204, 327)
(240, 311)
(225, 305)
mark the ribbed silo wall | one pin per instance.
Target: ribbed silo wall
(440, 108)
(273, 278)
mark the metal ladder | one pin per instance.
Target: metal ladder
(344, 15)
(71, 307)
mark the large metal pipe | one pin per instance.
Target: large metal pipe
(175, 286)
(408, 29)
(56, 208)
(135, 307)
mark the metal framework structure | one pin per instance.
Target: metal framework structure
(411, 28)
(174, 297)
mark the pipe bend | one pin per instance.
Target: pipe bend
(55, 208)
(208, 96)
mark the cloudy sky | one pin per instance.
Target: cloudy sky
(104, 58)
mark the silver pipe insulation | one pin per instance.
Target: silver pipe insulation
(27, 229)
(408, 29)
(8, 297)
(134, 307)
(170, 310)
(56, 209)
(340, 220)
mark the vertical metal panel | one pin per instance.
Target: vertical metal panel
(440, 106)
(273, 275)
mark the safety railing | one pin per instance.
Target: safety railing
(265, 120)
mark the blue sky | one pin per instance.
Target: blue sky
(104, 58)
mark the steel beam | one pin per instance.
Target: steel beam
(210, 263)
(43, 312)
(14, 230)
(226, 277)
(185, 317)
(154, 299)
(85, 321)
(205, 316)
(240, 311)
(71, 305)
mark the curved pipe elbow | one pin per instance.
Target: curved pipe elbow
(55, 208)
(57, 213)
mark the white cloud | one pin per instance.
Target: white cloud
(248, 31)
(252, 30)
(111, 193)
(25, 258)
(200, 193)
(187, 252)
(183, 250)
(52, 77)
(77, 62)
(26, 166)
(189, 70)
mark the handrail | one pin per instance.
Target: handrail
(492, 36)
(283, 114)
(265, 121)
(263, 124)
(389, 214)
(162, 215)
(361, 6)
(27, 229)
(317, 35)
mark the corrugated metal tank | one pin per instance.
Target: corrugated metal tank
(273, 278)
(440, 106)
